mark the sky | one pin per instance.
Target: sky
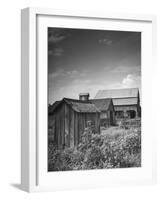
(81, 60)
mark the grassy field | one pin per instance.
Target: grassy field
(115, 147)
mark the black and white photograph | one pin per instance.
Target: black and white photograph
(94, 99)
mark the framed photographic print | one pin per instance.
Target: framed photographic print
(86, 110)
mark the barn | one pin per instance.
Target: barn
(107, 116)
(68, 118)
(126, 101)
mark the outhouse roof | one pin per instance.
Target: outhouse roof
(76, 105)
(82, 106)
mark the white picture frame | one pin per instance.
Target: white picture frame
(33, 177)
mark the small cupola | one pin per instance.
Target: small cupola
(84, 96)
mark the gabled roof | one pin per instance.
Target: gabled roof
(52, 107)
(77, 105)
(82, 106)
(117, 93)
(125, 101)
(102, 104)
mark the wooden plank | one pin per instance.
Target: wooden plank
(76, 129)
(70, 118)
(58, 129)
(80, 132)
(61, 125)
(67, 141)
(72, 115)
(97, 122)
(80, 127)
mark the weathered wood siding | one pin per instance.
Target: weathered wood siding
(68, 126)
(126, 108)
(110, 116)
(81, 120)
(59, 126)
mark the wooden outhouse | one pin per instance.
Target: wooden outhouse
(67, 120)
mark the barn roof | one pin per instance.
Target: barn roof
(117, 93)
(82, 106)
(102, 104)
(125, 101)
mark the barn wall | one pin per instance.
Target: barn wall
(97, 121)
(51, 128)
(127, 108)
(76, 128)
(95, 118)
(131, 107)
(109, 120)
(56, 127)
(69, 126)
(81, 126)
(112, 115)
(59, 126)
(81, 120)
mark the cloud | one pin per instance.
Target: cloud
(76, 73)
(131, 80)
(57, 74)
(56, 35)
(55, 39)
(56, 51)
(126, 69)
(73, 75)
(105, 41)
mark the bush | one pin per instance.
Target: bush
(97, 151)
